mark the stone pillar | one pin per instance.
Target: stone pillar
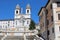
(24, 37)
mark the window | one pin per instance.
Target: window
(27, 11)
(48, 32)
(59, 28)
(51, 18)
(8, 24)
(58, 4)
(16, 22)
(16, 11)
(46, 11)
(52, 30)
(27, 22)
(58, 16)
(23, 22)
(51, 6)
(47, 22)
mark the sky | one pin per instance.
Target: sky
(7, 8)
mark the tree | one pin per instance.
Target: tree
(32, 25)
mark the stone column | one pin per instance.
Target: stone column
(24, 37)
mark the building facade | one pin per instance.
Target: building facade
(18, 27)
(20, 20)
(43, 24)
(50, 23)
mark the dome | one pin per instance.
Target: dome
(17, 6)
(28, 6)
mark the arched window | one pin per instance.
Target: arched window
(16, 22)
(17, 12)
(27, 22)
(27, 11)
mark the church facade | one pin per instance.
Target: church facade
(18, 28)
(20, 23)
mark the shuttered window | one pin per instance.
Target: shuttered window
(58, 16)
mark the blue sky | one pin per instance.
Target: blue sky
(7, 8)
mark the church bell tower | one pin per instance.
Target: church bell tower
(28, 11)
(17, 10)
